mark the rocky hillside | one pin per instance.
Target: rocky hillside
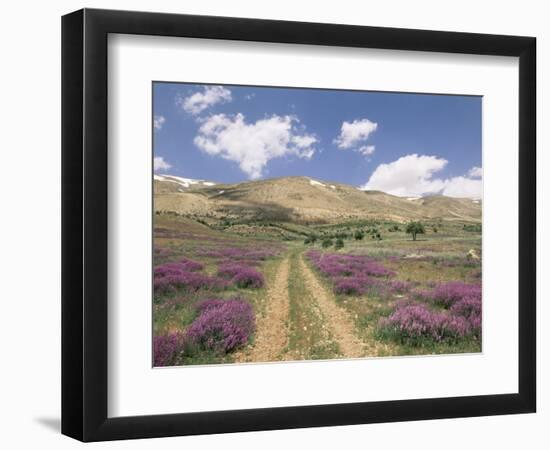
(302, 199)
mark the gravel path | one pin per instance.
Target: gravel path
(271, 328)
(338, 321)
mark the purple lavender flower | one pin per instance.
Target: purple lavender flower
(398, 286)
(349, 286)
(469, 308)
(249, 278)
(446, 294)
(413, 321)
(166, 349)
(230, 269)
(351, 274)
(222, 326)
(184, 275)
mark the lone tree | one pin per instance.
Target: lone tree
(415, 228)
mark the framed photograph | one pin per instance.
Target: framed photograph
(273, 225)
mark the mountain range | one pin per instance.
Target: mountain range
(303, 199)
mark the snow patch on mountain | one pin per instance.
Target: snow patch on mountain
(316, 183)
(185, 182)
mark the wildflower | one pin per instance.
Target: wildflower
(222, 326)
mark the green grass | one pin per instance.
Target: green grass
(368, 309)
(309, 337)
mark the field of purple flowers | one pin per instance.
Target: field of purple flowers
(205, 290)
(394, 296)
(391, 306)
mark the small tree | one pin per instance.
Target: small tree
(415, 228)
(339, 244)
(359, 235)
(327, 243)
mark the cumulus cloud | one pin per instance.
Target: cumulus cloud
(475, 172)
(463, 187)
(366, 150)
(413, 175)
(199, 101)
(160, 164)
(410, 175)
(158, 122)
(352, 134)
(253, 145)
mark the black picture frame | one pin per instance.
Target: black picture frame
(84, 224)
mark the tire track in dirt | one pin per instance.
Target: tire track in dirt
(340, 324)
(308, 336)
(271, 328)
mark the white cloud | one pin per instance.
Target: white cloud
(408, 176)
(413, 175)
(160, 164)
(463, 187)
(249, 96)
(366, 150)
(158, 122)
(475, 172)
(354, 133)
(253, 145)
(199, 101)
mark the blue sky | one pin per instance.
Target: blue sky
(404, 144)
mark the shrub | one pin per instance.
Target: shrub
(177, 268)
(222, 326)
(399, 287)
(347, 265)
(310, 239)
(355, 285)
(351, 274)
(413, 322)
(339, 244)
(446, 294)
(205, 305)
(476, 228)
(166, 349)
(469, 308)
(249, 278)
(230, 269)
(241, 275)
(349, 286)
(359, 235)
(188, 281)
(327, 243)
